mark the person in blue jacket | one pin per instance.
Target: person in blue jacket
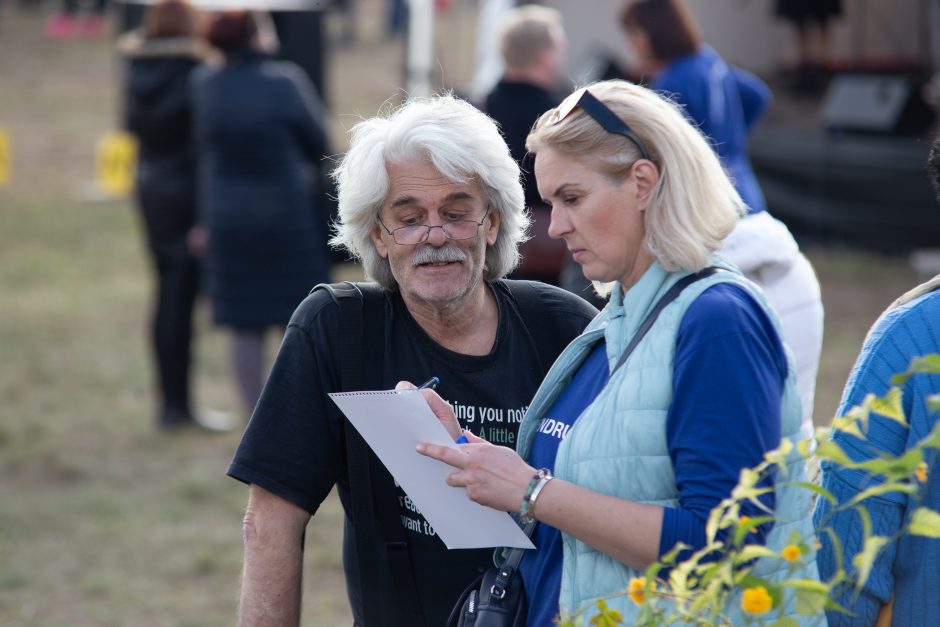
(907, 571)
(725, 102)
(619, 463)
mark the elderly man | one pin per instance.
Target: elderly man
(430, 201)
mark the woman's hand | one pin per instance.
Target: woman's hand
(440, 407)
(494, 476)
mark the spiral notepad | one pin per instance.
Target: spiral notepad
(393, 423)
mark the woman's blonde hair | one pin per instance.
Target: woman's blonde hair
(694, 205)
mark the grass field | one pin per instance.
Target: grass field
(104, 521)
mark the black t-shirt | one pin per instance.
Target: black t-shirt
(294, 443)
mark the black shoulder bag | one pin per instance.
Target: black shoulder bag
(497, 597)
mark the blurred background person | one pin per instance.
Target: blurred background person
(905, 571)
(66, 23)
(532, 46)
(725, 102)
(810, 21)
(159, 59)
(261, 135)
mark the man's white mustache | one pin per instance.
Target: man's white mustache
(430, 254)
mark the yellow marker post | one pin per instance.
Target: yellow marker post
(6, 158)
(116, 162)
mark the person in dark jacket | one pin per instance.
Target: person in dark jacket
(260, 132)
(532, 46)
(159, 60)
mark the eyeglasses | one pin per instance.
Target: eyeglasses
(419, 233)
(601, 114)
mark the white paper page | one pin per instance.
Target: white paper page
(393, 423)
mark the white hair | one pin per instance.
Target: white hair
(694, 205)
(462, 143)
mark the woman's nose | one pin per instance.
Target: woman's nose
(559, 225)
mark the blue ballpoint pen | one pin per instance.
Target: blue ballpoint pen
(430, 384)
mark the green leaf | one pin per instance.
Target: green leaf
(859, 413)
(924, 522)
(806, 447)
(830, 451)
(807, 585)
(894, 467)
(889, 406)
(933, 402)
(835, 607)
(925, 364)
(753, 551)
(932, 440)
(866, 520)
(652, 571)
(606, 616)
(818, 489)
(847, 424)
(809, 602)
(670, 556)
(836, 543)
(746, 484)
(779, 455)
(795, 537)
(748, 526)
(785, 621)
(884, 488)
(865, 559)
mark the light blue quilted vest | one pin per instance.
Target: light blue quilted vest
(618, 445)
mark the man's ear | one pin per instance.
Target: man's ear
(494, 218)
(380, 246)
(646, 175)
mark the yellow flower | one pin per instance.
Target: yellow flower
(743, 520)
(756, 601)
(637, 589)
(791, 552)
(920, 473)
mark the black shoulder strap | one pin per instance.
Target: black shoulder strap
(362, 328)
(651, 317)
(548, 339)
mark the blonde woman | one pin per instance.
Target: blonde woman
(620, 461)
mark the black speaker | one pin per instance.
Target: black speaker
(875, 103)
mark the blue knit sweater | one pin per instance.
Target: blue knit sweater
(909, 569)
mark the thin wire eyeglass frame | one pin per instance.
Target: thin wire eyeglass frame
(428, 227)
(600, 113)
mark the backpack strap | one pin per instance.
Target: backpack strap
(651, 317)
(374, 504)
(543, 331)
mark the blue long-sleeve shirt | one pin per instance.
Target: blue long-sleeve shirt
(910, 568)
(724, 102)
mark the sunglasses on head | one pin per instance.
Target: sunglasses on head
(601, 114)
